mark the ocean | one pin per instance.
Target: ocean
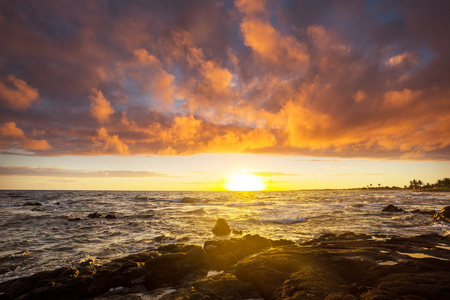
(59, 233)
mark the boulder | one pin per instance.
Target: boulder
(443, 215)
(221, 228)
(94, 215)
(175, 266)
(32, 204)
(445, 212)
(220, 286)
(391, 208)
(223, 254)
(423, 212)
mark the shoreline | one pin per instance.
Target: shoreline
(343, 266)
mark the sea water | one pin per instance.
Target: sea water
(36, 238)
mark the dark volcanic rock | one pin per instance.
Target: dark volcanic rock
(443, 215)
(221, 286)
(391, 208)
(95, 215)
(346, 266)
(110, 216)
(224, 254)
(86, 282)
(445, 212)
(423, 212)
(32, 204)
(172, 267)
(221, 228)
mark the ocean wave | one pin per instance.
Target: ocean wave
(187, 200)
(287, 221)
(241, 204)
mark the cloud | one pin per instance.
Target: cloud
(272, 77)
(12, 136)
(16, 93)
(101, 108)
(273, 174)
(111, 142)
(276, 50)
(58, 172)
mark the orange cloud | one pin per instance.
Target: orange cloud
(16, 93)
(280, 77)
(404, 58)
(13, 136)
(277, 50)
(101, 108)
(160, 83)
(399, 98)
(111, 142)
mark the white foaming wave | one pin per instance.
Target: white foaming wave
(241, 204)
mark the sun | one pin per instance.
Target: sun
(244, 182)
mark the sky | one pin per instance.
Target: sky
(181, 95)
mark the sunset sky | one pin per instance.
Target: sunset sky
(181, 95)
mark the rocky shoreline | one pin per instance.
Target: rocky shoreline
(345, 266)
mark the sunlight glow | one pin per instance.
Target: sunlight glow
(244, 182)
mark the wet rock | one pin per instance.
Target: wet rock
(221, 228)
(32, 204)
(391, 208)
(224, 254)
(95, 215)
(445, 212)
(110, 216)
(172, 267)
(423, 212)
(221, 286)
(443, 215)
(343, 266)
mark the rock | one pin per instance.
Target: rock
(220, 286)
(110, 216)
(74, 219)
(238, 232)
(443, 215)
(224, 254)
(332, 267)
(445, 212)
(423, 212)
(221, 228)
(32, 204)
(173, 267)
(168, 269)
(391, 208)
(94, 215)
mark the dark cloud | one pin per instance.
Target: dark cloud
(322, 78)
